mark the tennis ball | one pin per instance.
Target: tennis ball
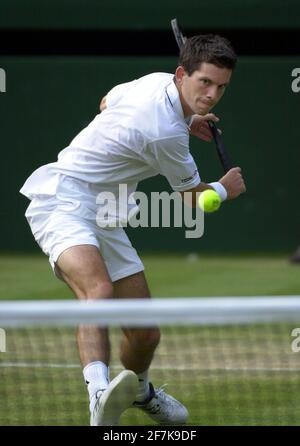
(209, 201)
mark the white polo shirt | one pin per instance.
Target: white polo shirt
(141, 133)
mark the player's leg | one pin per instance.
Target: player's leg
(83, 269)
(137, 350)
(138, 344)
(126, 271)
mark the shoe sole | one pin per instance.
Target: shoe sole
(118, 397)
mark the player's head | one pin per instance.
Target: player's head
(205, 66)
(209, 48)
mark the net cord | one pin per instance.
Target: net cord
(144, 312)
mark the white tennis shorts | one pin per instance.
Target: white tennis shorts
(58, 224)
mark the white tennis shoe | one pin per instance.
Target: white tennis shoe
(163, 408)
(113, 401)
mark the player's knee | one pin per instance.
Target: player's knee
(147, 338)
(98, 290)
(155, 337)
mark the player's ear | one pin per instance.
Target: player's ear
(179, 74)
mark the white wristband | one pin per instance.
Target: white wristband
(220, 189)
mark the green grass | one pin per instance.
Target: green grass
(31, 277)
(241, 375)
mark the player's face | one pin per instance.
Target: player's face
(201, 91)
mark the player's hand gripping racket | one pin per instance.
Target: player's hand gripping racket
(223, 155)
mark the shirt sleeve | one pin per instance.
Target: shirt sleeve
(172, 158)
(116, 93)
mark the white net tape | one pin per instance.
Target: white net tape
(143, 312)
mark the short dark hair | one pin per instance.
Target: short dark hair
(209, 48)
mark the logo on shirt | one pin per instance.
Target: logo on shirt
(186, 180)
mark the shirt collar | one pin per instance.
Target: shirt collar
(174, 99)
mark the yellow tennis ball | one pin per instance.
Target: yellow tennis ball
(209, 201)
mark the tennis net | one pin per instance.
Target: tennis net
(230, 361)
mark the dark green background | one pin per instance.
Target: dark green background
(50, 99)
(146, 14)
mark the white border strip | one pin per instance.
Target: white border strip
(144, 312)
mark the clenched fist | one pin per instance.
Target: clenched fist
(233, 182)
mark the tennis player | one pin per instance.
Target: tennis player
(143, 130)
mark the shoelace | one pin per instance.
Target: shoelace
(161, 391)
(155, 408)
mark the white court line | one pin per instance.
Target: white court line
(156, 367)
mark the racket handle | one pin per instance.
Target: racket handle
(223, 155)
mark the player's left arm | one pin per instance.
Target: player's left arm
(103, 104)
(199, 126)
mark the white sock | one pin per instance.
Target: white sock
(96, 376)
(143, 391)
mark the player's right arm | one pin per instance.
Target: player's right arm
(172, 158)
(232, 181)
